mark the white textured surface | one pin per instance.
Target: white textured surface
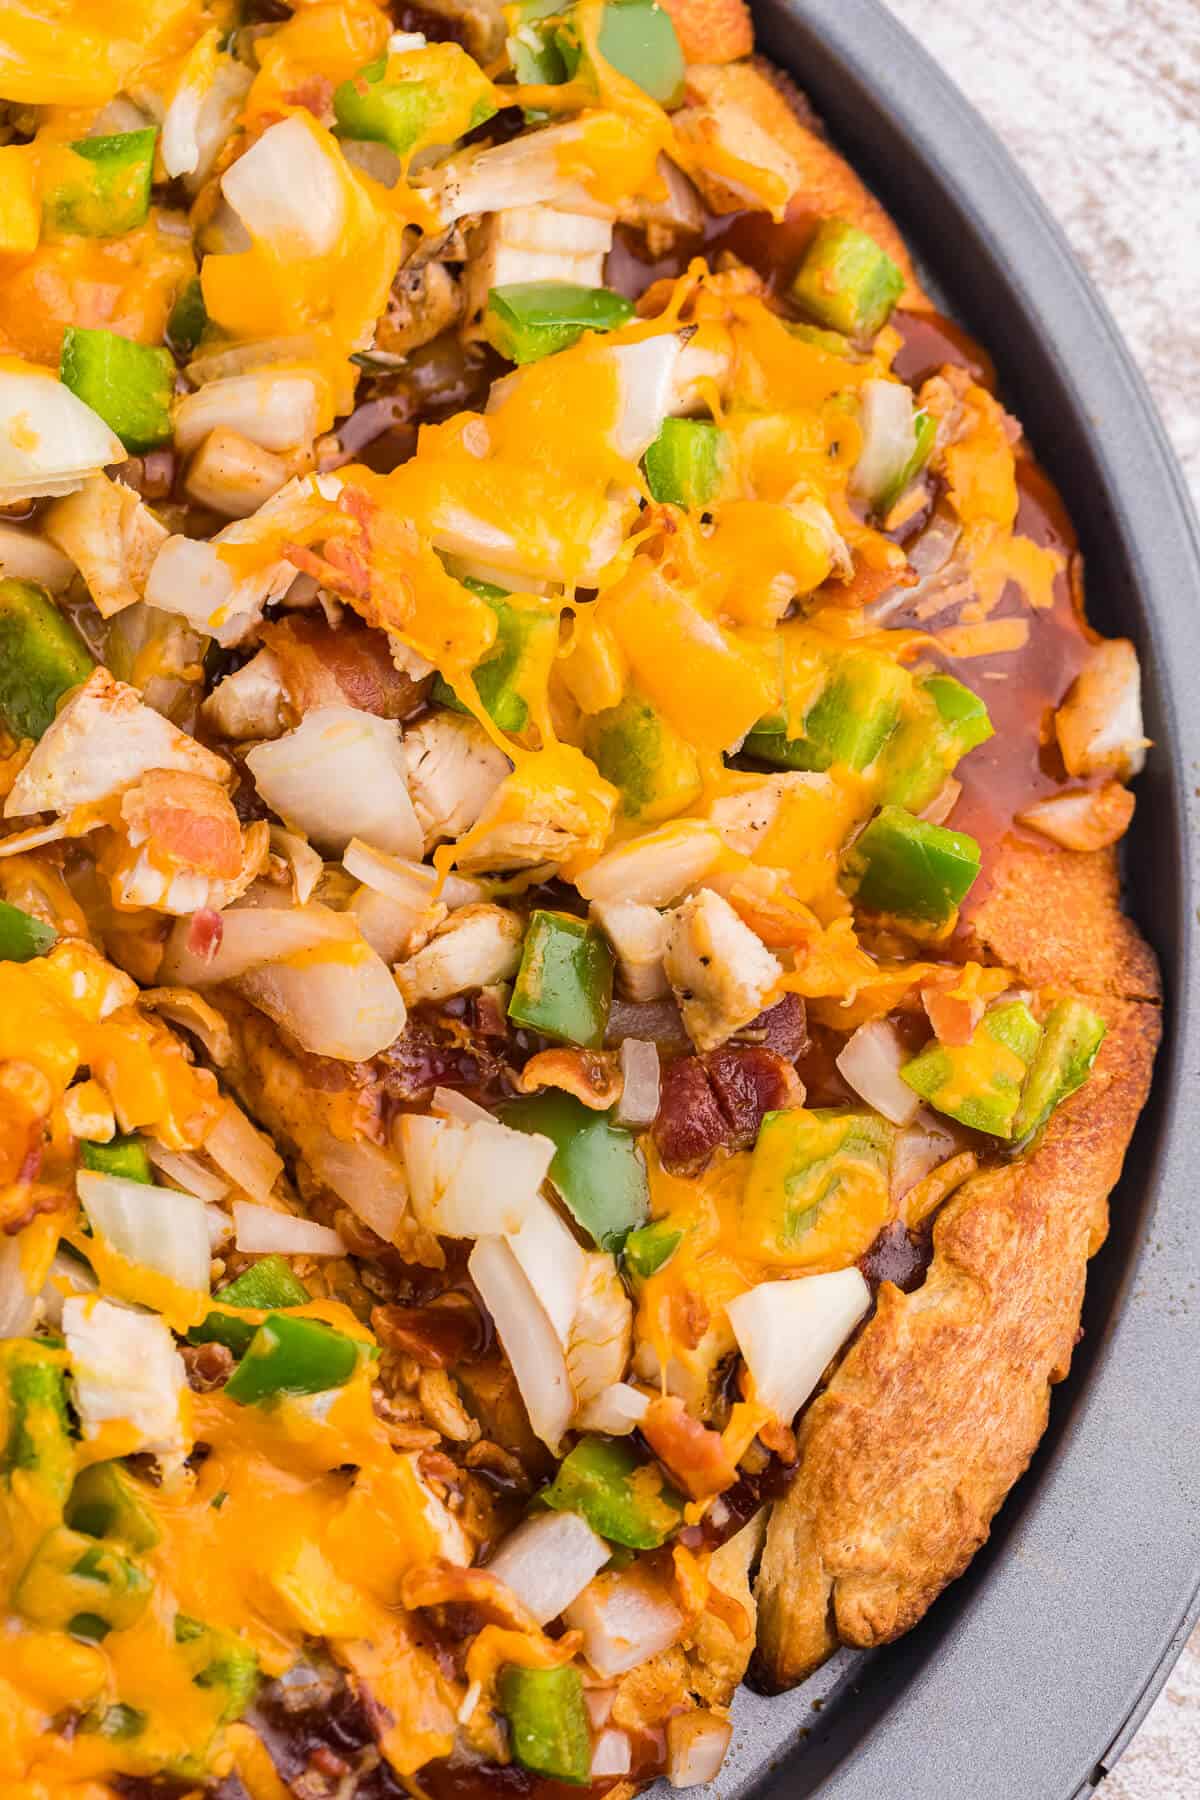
(1099, 100)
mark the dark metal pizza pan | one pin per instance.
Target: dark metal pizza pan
(1029, 1676)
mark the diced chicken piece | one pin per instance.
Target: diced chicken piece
(126, 1368)
(248, 703)
(534, 243)
(721, 974)
(655, 868)
(425, 301)
(678, 214)
(103, 740)
(638, 935)
(453, 771)
(745, 817)
(601, 1335)
(719, 125)
(111, 536)
(232, 475)
(542, 817)
(1086, 819)
(1099, 724)
(473, 948)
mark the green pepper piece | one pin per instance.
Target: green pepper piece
(123, 1156)
(130, 386)
(70, 1577)
(267, 1286)
(1070, 1042)
(655, 768)
(685, 462)
(597, 1168)
(530, 319)
(621, 1495)
(106, 1502)
(649, 1249)
(832, 342)
(849, 722)
(906, 866)
(22, 937)
(292, 1356)
(944, 721)
(563, 987)
(524, 638)
(979, 1083)
(188, 318)
(110, 193)
(846, 281)
(548, 1721)
(925, 437)
(402, 108)
(533, 52)
(638, 39)
(117, 1723)
(37, 1436)
(806, 1166)
(42, 657)
(220, 1660)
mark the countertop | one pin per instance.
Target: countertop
(1099, 101)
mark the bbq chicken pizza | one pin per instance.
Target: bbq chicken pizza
(565, 1020)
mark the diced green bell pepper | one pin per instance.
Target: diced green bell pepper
(22, 937)
(649, 1249)
(1070, 1042)
(622, 1496)
(849, 722)
(806, 1165)
(106, 1502)
(832, 342)
(267, 1286)
(394, 101)
(37, 1435)
(130, 386)
(110, 193)
(685, 462)
(563, 988)
(655, 768)
(188, 318)
(638, 39)
(525, 641)
(533, 52)
(221, 1661)
(597, 1168)
(846, 281)
(941, 724)
(42, 656)
(979, 1083)
(527, 320)
(293, 1356)
(74, 1583)
(914, 870)
(548, 1721)
(123, 1156)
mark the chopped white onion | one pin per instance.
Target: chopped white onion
(472, 1180)
(261, 1231)
(277, 409)
(286, 190)
(549, 1560)
(50, 442)
(641, 1074)
(303, 861)
(340, 775)
(247, 1155)
(527, 171)
(611, 1755)
(344, 1004)
(152, 1227)
(888, 438)
(617, 1411)
(528, 1338)
(655, 868)
(188, 1173)
(17, 1304)
(125, 1366)
(26, 557)
(395, 902)
(787, 1331)
(696, 1746)
(453, 1105)
(870, 1062)
(918, 1150)
(553, 1263)
(369, 1181)
(410, 883)
(202, 115)
(220, 1228)
(647, 372)
(1099, 724)
(251, 936)
(625, 1620)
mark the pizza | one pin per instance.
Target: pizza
(566, 1019)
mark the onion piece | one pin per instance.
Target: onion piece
(188, 1173)
(527, 1337)
(553, 1264)
(549, 1560)
(202, 113)
(472, 1180)
(696, 1746)
(287, 190)
(402, 879)
(220, 1228)
(340, 775)
(302, 860)
(647, 373)
(527, 171)
(655, 868)
(277, 409)
(617, 1411)
(788, 1331)
(1081, 819)
(17, 1304)
(246, 1155)
(252, 935)
(24, 556)
(262, 1231)
(888, 438)
(152, 1227)
(453, 1105)
(917, 1150)
(50, 442)
(625, 1619)
(870, 1062)
(1099, 724)
(346, 1005)
(641, 1074)
(369, 1181)
(194, 1015)
(611, 1755)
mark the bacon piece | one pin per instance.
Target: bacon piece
(783, 1028)
(209, 1366)
(592, 1076)
(430, 1054)
(204, 933)
(718, 1101)
(350, 665)
(698, 1458)
(438, 1336)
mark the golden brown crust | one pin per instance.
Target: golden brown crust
(712, 31)
(939, 1405)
